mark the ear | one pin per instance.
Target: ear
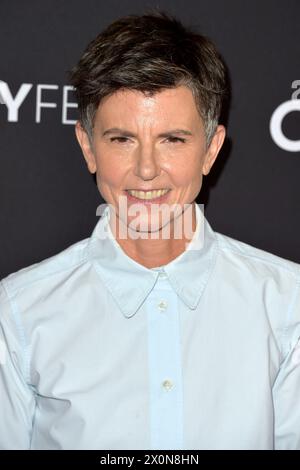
(85, 144)
(214, 148)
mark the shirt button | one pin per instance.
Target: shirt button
(162, 275)
(162, 305)
(167, 385)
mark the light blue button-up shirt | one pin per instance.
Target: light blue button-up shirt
(100, 352)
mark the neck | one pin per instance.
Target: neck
(156, 252)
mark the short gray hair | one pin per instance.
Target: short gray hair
(149, 53)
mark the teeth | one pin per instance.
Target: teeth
(147, 194)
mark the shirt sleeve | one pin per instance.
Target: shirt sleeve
(17, 402)
(286, 390)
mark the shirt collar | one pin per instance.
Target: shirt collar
(130, 282)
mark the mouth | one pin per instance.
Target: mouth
(147, 196)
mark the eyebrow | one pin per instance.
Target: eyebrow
(124, 132)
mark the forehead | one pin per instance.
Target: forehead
(172, 104)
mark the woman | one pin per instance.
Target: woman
(156, 332)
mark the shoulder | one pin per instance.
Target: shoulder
(267, 280)
(42, 272)
(260, 261)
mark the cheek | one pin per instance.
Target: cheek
(188, 172)
(110, 172)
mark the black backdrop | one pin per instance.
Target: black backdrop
(48, 199)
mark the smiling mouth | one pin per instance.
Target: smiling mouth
(147, 195)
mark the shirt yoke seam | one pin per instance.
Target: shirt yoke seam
(290, 312)
(260, 258)
(27, 283)
(20, 332)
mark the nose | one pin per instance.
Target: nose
(146, 162)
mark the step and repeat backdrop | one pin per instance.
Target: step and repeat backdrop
(49, 199)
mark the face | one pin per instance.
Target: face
(143, 143)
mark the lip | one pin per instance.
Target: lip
(147, 201)
(145, 190)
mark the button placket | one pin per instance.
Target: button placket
(165, 367)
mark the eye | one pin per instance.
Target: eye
(119, 139)
(173, 139)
